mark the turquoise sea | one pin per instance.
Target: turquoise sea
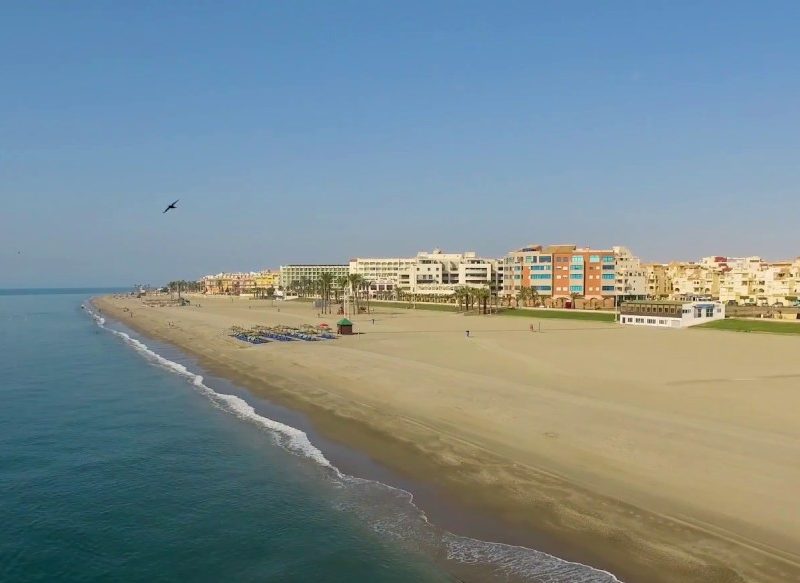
(119, 461)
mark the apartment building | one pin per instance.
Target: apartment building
(750, 280)
(631, 276)
(382, 273)
(440, 274)
(289, 274)
(742, 280)
(267, 279)
(528, 267)
(434, 273)
(696, 280)
(559, 273)
(238, 283)
(659, 284)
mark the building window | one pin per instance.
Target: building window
(640, 320)
(651, 320)
(543, 287)
(594, 259)
(576, 288)
(578, 276)
(577, 259)
(608, 288)
(545, 259)
(608, 276)
(540, 276)
(608, 259)
(576, 267)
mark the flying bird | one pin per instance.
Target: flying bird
(172, 206)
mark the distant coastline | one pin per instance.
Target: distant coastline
(43, 291)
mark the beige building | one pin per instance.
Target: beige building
(696, 280)
(381, 273)
(741, 280)
(291, 274)
(631, 275)
(434, 273)
(752, 281)
(659, 284)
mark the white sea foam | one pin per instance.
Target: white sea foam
(522, 562)
(289, 437)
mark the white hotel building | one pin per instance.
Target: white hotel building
(435, 273)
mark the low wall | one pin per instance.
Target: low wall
(785, 313)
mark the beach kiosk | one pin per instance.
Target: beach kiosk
(344, 327)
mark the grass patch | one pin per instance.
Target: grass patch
(562, 314)
(738, 325)
(436, 307)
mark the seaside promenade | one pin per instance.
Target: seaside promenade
(660, 455)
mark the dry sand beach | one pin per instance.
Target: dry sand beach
(660, 455)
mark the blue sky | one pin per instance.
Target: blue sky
(316, 131)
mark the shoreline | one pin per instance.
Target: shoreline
(441, 514)
(530, 506)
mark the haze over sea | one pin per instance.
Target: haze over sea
(119, 462)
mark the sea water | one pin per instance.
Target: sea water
(119, 462)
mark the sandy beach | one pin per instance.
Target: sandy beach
(660, 455)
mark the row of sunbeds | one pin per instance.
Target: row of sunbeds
(265, 334)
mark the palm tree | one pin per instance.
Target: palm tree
(522, 295)
(341, 284)
(534, 296)
(325, 283)
(355, 280)
(462, 294)
(366, 284)
(482, 296)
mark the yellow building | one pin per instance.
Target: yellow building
(240, 283)
(267, 278)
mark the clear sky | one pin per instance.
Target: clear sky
(318, 131)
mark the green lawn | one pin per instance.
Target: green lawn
(438, 307)
(562, 314)
(753, 326)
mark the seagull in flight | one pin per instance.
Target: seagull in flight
(172, 206)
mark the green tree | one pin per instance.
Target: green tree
(522, 296)
(355, 281)
(325, 284)
(482, 296)
(534, 296)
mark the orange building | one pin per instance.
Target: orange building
(562, 274)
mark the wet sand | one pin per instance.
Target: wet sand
(660, 455)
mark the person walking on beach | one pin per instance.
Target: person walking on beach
(466, 333)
